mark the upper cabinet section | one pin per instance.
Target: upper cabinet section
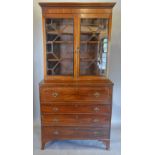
(76, 38)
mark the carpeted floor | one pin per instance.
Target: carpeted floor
(78, 147)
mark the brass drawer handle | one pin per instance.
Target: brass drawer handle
(55, 109)
(96, 94)
(56, 133)
(55, 94)
(96, 133)
(95, 120)
(55, 120)
(96, 109)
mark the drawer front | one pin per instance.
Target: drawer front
(82, 103)
(75, 133)
(76, 108)
(93, 93)
(58, 94)
(75, 94)
(75, 120)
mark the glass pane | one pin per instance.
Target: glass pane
(93, 46)
(59, 46)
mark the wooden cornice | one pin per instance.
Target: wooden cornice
(77, 5)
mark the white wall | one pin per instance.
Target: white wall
(115, 56)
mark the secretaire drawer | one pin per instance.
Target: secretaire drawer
(75, 94)
(75, 108)
(75, 119)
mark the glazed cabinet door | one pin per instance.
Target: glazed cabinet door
(93, 42)
(59, 46)
(76, 46)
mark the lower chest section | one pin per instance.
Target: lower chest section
(76, 112)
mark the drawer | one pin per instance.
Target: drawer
(94, 93)
(58, 94)
(75, 133)
(75, 94)
(75, 108)
(82, 103)
(75, 120)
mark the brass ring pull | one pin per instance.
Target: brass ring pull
(95, 120)
(55, 120)
(55, 94)
(96, 109)
(55, 109)
(96, 133)
(96, 94)
(55, 132)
